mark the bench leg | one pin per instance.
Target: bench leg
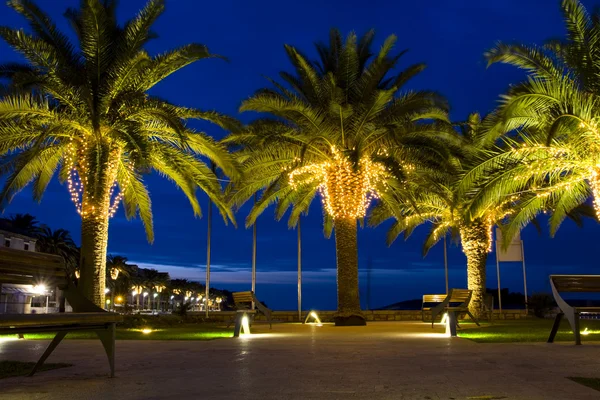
(238, 324)
(107, 337)
(554, 330)
(57, 339)
(473, 318)
(452, 320)
(576, 330)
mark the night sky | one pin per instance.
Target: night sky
(450, 36)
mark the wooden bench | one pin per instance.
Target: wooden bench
(455, 303)
(243, 304)
(572, 284)
(430, 301)
(31, 268)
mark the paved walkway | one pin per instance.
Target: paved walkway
(387, 360)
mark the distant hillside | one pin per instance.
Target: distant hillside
(414, 304)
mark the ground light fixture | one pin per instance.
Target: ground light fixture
(146, 331)
(316, 320)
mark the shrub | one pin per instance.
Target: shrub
(541, 304)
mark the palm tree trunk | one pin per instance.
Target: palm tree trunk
(475, 239)
(95, 208)
(94, 241)
(348, 312)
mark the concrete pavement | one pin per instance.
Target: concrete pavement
(386, 360)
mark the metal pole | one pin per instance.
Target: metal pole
(299, 271)
(524, 279)
(209, 233)
(254, 255)
(498, 273)
(446, 263)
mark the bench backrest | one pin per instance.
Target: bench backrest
(243, 297)
(434, 298)
(31, 268)
(460, 296)
(576, 283)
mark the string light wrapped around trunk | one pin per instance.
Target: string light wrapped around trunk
(76, 163)
(347, 190)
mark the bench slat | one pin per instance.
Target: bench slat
(576, 283)
(33, 320)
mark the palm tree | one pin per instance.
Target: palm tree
(554, 156)
(336, 126)
(84, 109)
(59, 242)
(118, 272)
(25, 223)
(154, 281)
(436, 199)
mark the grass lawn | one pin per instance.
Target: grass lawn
(17, 368)
(530, 330)
(195, 332)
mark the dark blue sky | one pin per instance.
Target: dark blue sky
(450, 36)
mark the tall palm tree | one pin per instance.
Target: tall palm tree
(84, 109)
(555, 113)
(337, 126)
(436, 199)
(58, 242)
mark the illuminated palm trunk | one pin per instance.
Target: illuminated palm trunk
(348, 312)
(595, 185)
(475, 238)
(95, 210)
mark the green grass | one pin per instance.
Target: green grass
(17, 368)
(530, 330)
(196, 332)
(593, 383)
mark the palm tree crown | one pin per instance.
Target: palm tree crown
(555, 157)
(84, 110)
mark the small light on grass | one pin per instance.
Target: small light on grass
(585, 332)
(146, 331)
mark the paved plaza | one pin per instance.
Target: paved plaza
(386, 360)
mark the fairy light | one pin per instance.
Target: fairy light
(346, 190)
(77, 181)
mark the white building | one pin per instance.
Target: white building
(23, 299)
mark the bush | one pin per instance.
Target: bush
(182, 309)
(541, 304)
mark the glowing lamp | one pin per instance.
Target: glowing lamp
(39, 289)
